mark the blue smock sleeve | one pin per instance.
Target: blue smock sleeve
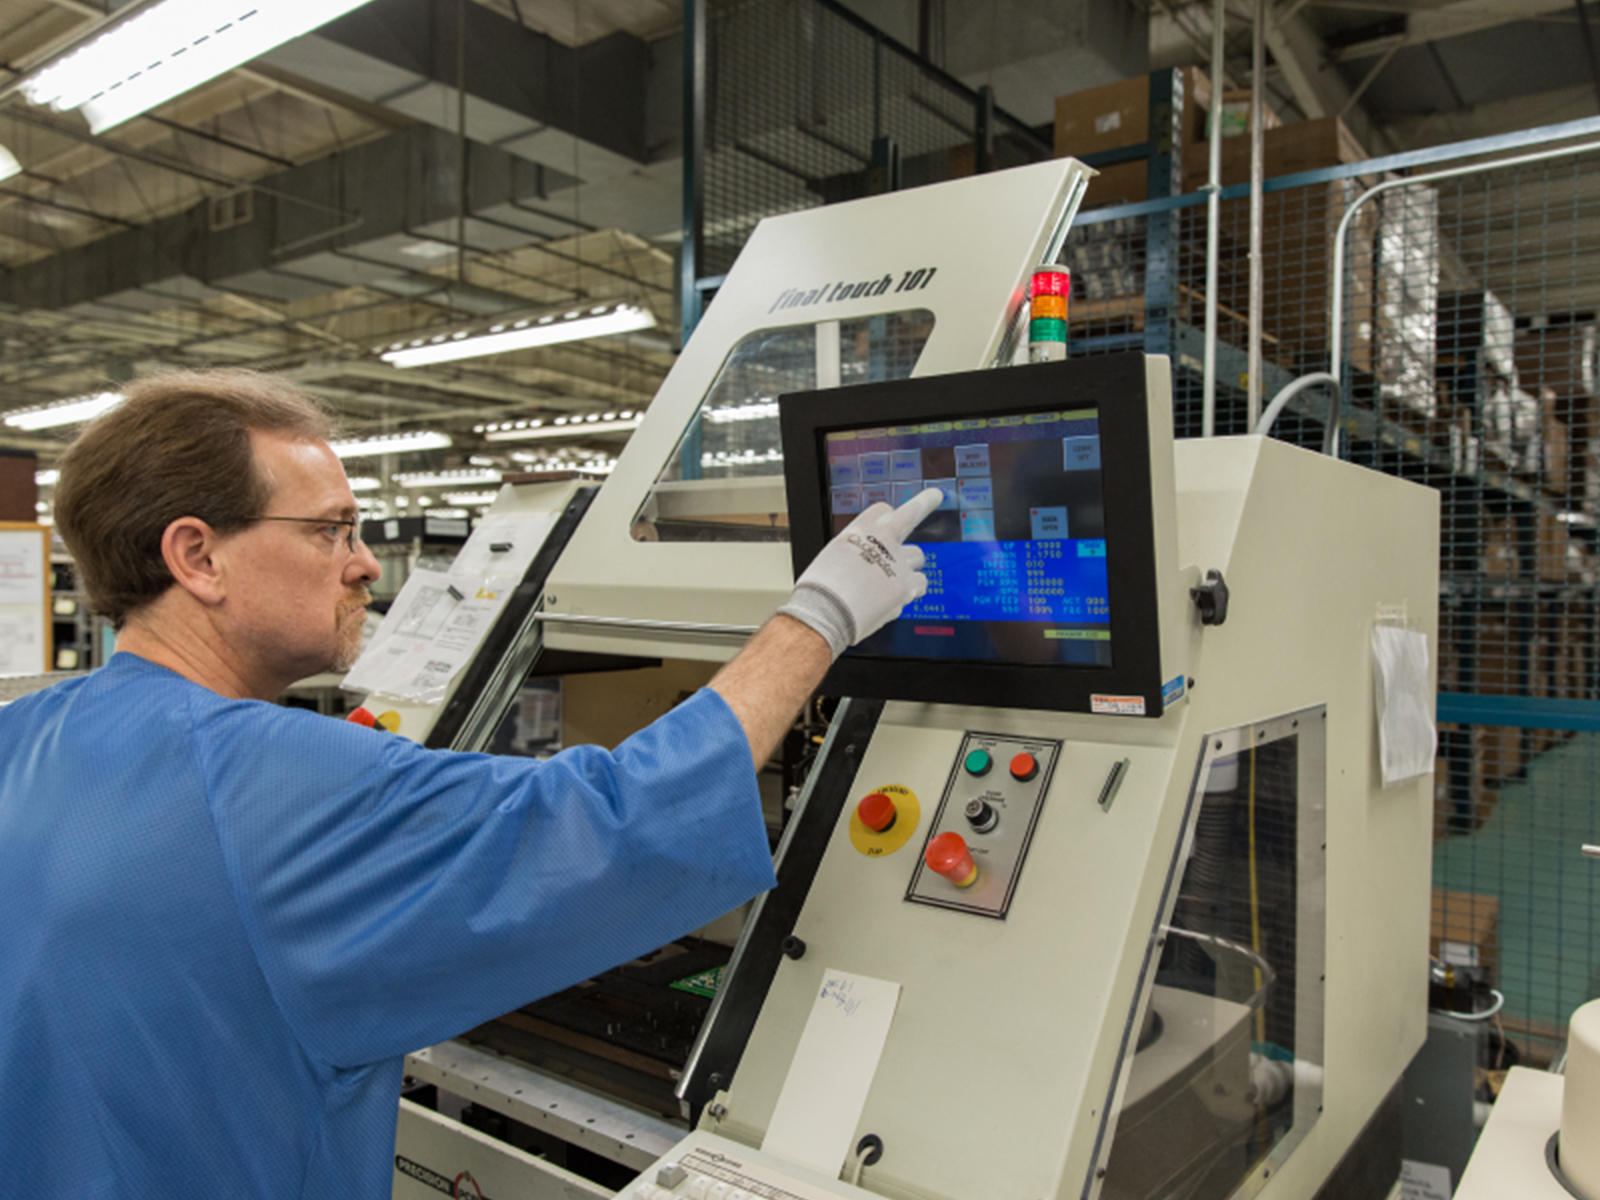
(397, 896)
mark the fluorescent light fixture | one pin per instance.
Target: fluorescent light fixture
(392, 443)
(46, 478)
(462, 478)
(63, 412)
(9, 165)
(450, 514)
(169, 49)
(756, 410)
(505, 336)
(575, 429)
(464, 498)
(364, 483)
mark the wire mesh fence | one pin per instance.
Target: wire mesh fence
(1463, 325)
(1468, 353)
(806, 105)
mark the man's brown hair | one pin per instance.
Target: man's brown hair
(178, 446)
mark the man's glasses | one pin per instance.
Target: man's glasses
(348, 531)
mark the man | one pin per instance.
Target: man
(227, 921)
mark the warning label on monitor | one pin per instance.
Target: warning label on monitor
(1117, 706)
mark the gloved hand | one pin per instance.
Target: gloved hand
(864, 576)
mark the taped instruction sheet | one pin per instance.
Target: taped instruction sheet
(440, 618)
(826, 1089)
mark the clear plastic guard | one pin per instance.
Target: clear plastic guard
(1226, 1074)
(724, 481)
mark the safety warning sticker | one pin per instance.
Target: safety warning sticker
(1117, 706)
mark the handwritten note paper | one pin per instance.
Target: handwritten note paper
(826, 1089)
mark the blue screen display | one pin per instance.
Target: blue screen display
(1016, 552)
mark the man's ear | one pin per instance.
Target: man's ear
(189, 548)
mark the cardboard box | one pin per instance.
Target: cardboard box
(1562, 476)
(1465, 929)
(1117, 116)
(1496, 756)
(1286, 150)
(1553, 357)
(1298, 231)
(1124, 183)
(1236, 115)
(1554, 537)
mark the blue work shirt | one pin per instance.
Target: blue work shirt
(226, 922)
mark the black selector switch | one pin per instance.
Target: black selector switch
(981, 816)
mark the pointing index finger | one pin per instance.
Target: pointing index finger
(912, 513)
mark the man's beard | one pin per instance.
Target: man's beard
(350, 631)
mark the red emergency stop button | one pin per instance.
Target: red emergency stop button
(362, 716)
(877, 812)
(948, 855)
(1024, 767)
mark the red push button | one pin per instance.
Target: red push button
(877, 812)
(362, 716)
(1024, 767)
(948, 855)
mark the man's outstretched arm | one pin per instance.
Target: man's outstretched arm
(859, 583)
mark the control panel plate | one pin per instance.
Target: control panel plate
(1013, 805)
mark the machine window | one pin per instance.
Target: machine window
(725, 481)
(1226, 1074)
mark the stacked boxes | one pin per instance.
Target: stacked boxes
(1298, 229)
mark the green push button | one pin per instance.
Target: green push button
(979, 762)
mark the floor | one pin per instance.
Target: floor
(1528, 854)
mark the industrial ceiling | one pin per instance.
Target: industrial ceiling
(300, 213)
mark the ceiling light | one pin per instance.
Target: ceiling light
(574, 326)
(9, 165)
(169, 49)
(462, 498)
(448, 514)
(575, 430)
(462, 478)
(46, 478)
(364, 483)
(63, 412)
(391, 443)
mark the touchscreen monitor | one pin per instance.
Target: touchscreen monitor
(1041, 557)
(1016, 551)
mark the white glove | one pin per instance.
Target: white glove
(866, 575)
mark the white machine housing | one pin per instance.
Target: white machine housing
(1004, 1054)
(974, 242)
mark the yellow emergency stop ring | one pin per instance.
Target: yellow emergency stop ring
(908, 815)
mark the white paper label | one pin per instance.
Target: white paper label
(832, 1070)
(1424, 1181)
(1108, 122)
(1407, 737)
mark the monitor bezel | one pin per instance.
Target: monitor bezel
(1116, 386)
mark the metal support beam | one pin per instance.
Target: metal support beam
(1448, 21)
(1164, 178)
